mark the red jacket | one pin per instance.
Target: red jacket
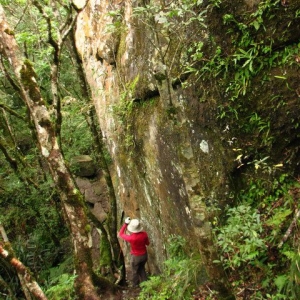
(138, 241)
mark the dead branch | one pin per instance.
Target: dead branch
(290, 229)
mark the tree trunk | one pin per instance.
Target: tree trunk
(72, 200)
(117, 254)
(23, 281)
(29, 285)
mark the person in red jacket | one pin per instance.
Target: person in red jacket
(139, 241)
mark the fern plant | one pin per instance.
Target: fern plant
(60, 283)
(63, 288)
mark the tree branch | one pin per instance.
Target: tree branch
(31, 284)
(290, 229)
(72, 200)
(57, 45)
(12, 162)
(11, 111)
(22, 280)
(7, 76)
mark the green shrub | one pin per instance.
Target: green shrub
(257, 244)
(180, 275)
(239, 240)
(63, 288)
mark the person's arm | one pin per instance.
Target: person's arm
(122, 233)
(122, 230)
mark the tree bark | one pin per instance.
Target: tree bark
(27, 282)
(31, 284)
(72, 200)
(117, 254)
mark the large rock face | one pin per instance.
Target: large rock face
(174, 159)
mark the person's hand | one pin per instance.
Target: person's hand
(127, 220)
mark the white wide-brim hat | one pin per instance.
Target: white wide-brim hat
(134, 226)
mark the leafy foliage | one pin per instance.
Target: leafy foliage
(180, 275)
(234, 71)
(240, 239)
(76, 136)
(30, 208)
(62, 288)
(250, 238)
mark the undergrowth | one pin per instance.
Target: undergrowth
(180, 277)
(259, 241)
(60, 282)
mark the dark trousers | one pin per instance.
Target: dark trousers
(138, 268)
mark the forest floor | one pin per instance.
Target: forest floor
(129, 292)
(132, 293)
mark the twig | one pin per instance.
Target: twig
(289, 231)
(3, 233)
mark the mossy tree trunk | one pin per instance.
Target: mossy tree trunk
(117, 262)
(117, 254)
(72, 200)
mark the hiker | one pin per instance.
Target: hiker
(138, 240)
